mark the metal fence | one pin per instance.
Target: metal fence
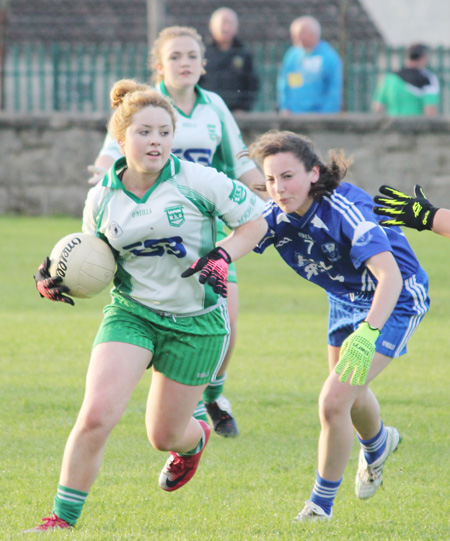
(66, 77)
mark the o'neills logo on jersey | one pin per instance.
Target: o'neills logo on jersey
(238, 194)
(142, 212)
(175, 215)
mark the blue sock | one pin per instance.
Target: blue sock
(374, 447)
(324, 493)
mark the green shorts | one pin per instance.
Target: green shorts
(189, 350)
(221, 234)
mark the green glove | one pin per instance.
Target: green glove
(356, 354)
(416, 212)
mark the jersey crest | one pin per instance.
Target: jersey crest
(175, 215)
(331, 251)
(238, 194)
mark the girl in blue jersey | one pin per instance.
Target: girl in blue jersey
(207, 134)
(327, 232)
(158, 215)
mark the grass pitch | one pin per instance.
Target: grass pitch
(247, 488)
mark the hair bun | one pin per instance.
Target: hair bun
(122, 88)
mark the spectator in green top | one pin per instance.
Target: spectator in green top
(413, 90)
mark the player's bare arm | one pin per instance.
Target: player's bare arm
(385, 269)
(244, 238)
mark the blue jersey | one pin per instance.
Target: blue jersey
(331, 242)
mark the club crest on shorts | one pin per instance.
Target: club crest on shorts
(175, 215)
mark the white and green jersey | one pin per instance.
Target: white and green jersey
(160, 235)
(209, 135)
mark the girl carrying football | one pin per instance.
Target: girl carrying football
(207, 134)
(326, 231)
(161, 315)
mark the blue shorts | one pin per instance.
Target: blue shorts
(345, 314)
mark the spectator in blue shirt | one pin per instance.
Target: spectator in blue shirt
(310, 78)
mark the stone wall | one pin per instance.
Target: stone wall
(399, 152)
(44, 158)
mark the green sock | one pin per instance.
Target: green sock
(200, 412)
(214, 389)
(196, 449)
(69, 503)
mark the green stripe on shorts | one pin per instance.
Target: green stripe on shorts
(189, 350)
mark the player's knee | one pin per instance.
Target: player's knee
(331, 407)
(162, 439)
(98, 414)
(95, 419)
